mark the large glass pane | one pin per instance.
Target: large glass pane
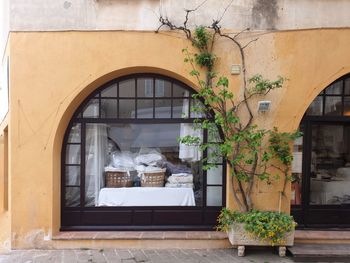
(316, 107)
(145, 108)
(213, 154)
(330, 165)
(163, 88)
(143, 165)
(163, 108)
(346, 106)
(92, 109)
(197, 109)
(297, 171)
(73, 175)
(127, 88)
(333, 106)
(126, 108)
(347, 86)
(335, 89)
(109, 108)
(213, 134)
(181, 108)
(73, 154)
(179, 91)
(145, 87)
(75, 134)
(72, 197)
(111, 91)
(214, 196)
(214, 175)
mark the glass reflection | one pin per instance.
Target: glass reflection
(145, 165)
(330, 165)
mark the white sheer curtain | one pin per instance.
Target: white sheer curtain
(96, 158)
(96, 146)
(190, 153)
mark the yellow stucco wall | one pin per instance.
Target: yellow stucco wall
(52, 72)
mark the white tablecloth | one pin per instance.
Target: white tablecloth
(146, 196)
(323, 192)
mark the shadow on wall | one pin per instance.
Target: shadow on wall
(265, 14)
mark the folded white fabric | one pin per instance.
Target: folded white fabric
(123, 159)
(180, 179)
(182, 185)
(181, 174)
(149, 169)
(149, 159)
(117, 169)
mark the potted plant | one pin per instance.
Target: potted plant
(258, 228)
(253, 152)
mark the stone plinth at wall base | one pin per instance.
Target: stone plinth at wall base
(327, 236)
(137, 239)
(239, 237)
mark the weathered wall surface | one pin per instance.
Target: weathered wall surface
(5, 209)
(4, 25)
(44, 15)
(70, 65)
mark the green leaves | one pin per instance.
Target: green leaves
(205, 59)
(265, 225)
(201, 38)
(190, 140)
(223, 81)
(263, 86)
(280, 145)
(252, 152)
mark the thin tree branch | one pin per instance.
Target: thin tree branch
(251, 41)
(225, 10)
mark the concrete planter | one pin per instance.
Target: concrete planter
(238, 236)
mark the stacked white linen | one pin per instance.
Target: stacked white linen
(123, 160)
(180, 180)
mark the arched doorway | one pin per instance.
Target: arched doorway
(122, 164)
(321, 170)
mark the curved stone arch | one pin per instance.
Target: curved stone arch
(310, 97)
(70, 108)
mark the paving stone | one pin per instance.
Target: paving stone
(97, 256)
(111, 256)
(139, 256)
(124, 254)
(83, 255)
(28, 256)
(69, 256)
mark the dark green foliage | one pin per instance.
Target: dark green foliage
(250, 151)
(266, 225)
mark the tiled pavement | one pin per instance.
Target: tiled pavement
(137, 255)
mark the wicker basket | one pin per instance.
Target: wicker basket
(153, 179)
(117, 179)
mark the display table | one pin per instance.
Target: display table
(327, 192)
(146, 196)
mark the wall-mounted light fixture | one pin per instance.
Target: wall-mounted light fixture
(264, 105)
(236, 69)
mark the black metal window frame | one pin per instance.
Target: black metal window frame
(312, 215)
(77, 213)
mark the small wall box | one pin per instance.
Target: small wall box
(264, 105)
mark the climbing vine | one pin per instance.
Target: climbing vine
(253, 153)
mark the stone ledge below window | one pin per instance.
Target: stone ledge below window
(325, 236)
(137, 235)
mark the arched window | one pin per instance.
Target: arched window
(123, 166)
(321, 168)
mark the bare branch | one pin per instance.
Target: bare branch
(251, 41)
(225, 10)
(239, 33)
